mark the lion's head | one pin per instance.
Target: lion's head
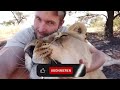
(62, 47)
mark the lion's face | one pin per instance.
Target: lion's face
(60, 47)
(66, 49)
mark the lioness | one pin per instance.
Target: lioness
(64, 47)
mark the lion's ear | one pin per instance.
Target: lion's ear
(79, 30)
(82, 28)
(78, 27)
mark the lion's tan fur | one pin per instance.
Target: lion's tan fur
(68, 48)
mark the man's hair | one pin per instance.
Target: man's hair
(62, 14)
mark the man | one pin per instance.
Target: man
(45, 23)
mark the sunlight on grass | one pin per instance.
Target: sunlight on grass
(95, 29)
(7, 32)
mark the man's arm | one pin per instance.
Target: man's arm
(98, 58)
(13, 52)
(9, 59)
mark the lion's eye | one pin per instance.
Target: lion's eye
(64, 35)
(29, 50)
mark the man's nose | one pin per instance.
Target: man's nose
(42, 27)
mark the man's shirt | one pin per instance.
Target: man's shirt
(23, 37)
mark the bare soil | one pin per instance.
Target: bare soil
(111, 48)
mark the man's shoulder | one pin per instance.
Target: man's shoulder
(22, 37)
(63, 29)
(27, 29)
(26, 32)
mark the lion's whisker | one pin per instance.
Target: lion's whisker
(21, 67)
(24, 72)
(54, 60)
(20, 64)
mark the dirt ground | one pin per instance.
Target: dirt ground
(111, 48)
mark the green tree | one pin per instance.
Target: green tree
(88, 16)
(111, 15)
(97, 22)
(116, 22)
(18, 17)
(7, 23)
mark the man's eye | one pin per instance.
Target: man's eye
(50, 23)
(38, 18)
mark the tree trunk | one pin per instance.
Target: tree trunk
(109, 25)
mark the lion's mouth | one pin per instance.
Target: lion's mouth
(52, 62)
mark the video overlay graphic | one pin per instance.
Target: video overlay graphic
(61, 70)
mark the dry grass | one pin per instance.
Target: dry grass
(95, 29)
(7, 32)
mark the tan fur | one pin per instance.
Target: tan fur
(78, 28)
(67, 48)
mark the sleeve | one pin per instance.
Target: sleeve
(21, 38)
(63, 29)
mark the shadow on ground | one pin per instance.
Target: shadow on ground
(111, 48)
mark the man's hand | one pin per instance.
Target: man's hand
(98, 59)
(85, 63)
(10, 58)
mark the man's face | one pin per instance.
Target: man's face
(46, 23)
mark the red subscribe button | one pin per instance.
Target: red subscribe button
(60, 70)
